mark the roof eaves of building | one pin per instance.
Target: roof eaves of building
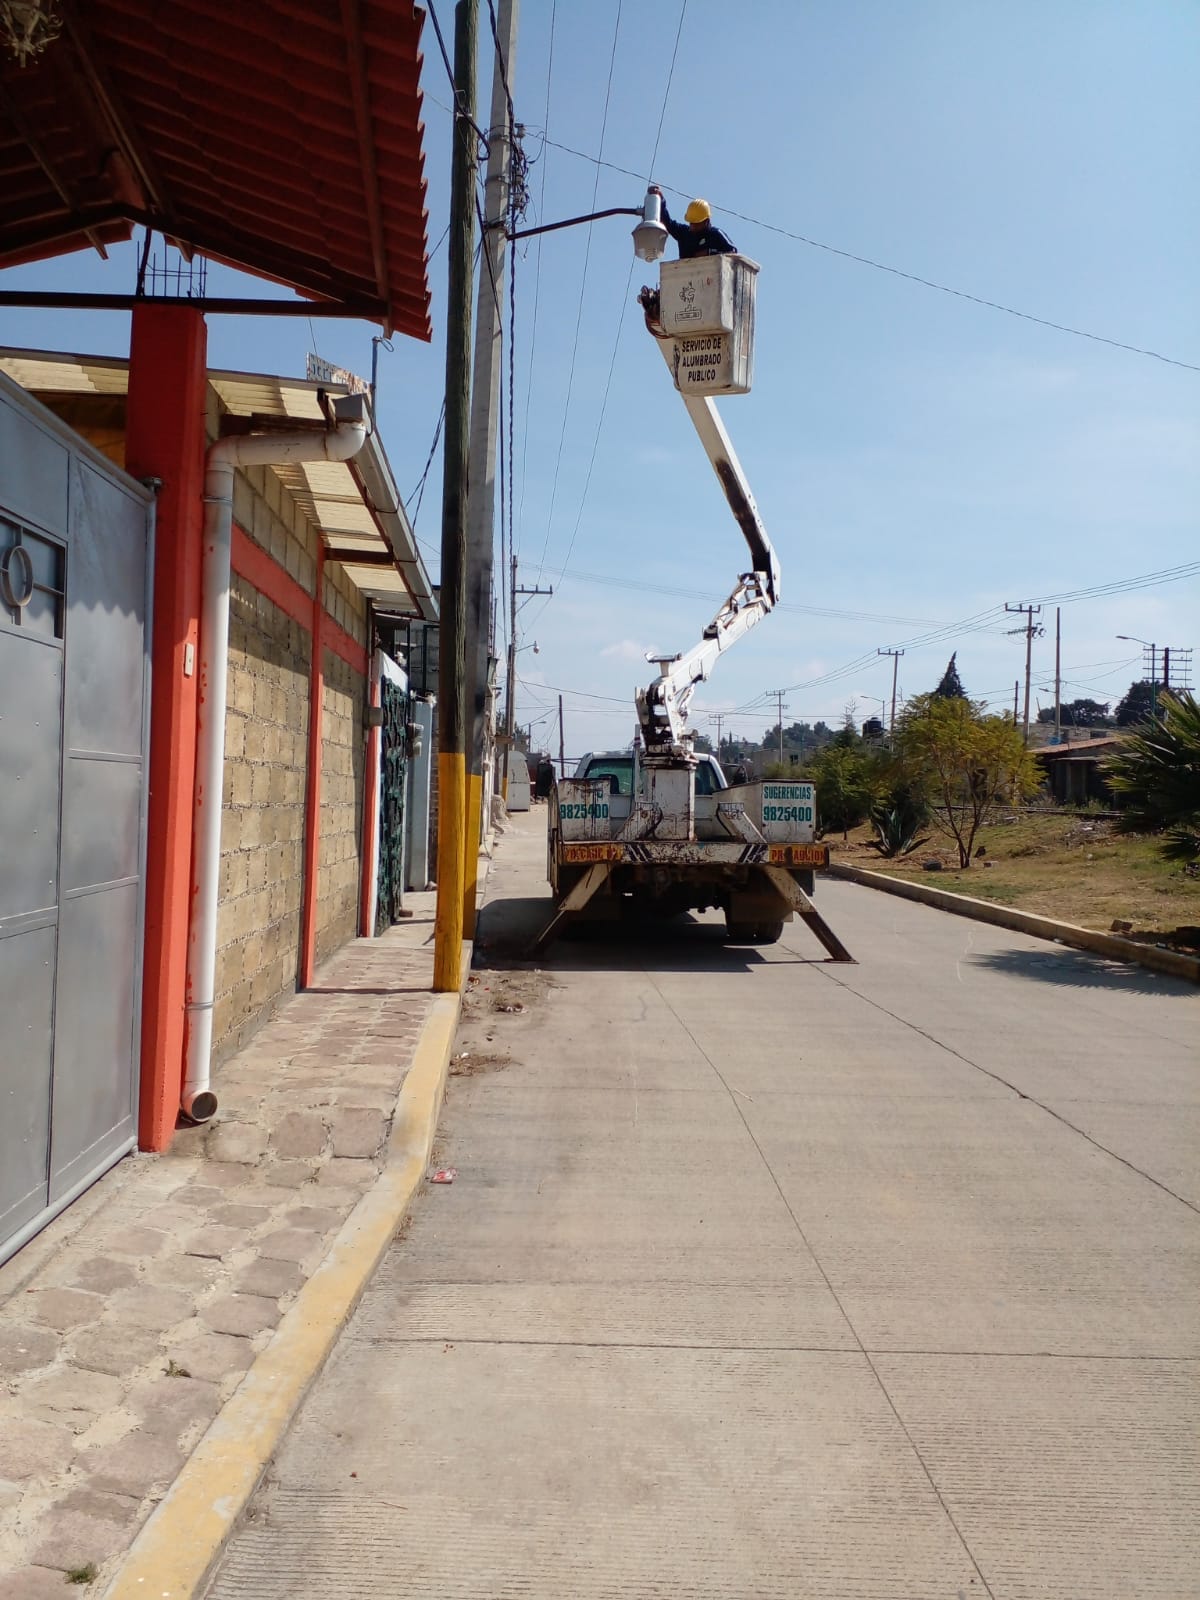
(355, 506)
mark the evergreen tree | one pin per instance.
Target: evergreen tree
(950, 687)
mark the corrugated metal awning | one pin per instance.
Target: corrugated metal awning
(354, 505)
(283, 137)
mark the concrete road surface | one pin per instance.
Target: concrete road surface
(763, 1277)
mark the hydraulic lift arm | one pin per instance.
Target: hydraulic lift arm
(663, 706)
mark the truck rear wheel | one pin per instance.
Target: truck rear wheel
(753, 932)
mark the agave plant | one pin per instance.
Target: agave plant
(1157, 776)
(899, 813)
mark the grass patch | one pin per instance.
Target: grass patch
(1075, 869)
(85, 1574)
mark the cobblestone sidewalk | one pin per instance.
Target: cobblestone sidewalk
(130, 1321)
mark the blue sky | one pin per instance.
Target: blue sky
(918, 459)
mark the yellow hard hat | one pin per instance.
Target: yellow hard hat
(698, 211)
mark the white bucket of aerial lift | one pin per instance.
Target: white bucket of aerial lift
(706, 308)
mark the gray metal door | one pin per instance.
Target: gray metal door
(74, 697)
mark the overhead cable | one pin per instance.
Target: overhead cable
(895, 272)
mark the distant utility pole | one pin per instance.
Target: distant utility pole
(452, 709)
(1028, 629)
(895, 655)
(1178, 662)
(1057, 673)
(718, 717)
(1016, 698)
(485, 407)
(510, 709)
(777, 695)
(562, 755)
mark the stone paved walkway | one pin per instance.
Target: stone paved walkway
(126, 1325)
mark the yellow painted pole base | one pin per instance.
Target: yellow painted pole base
(448, 919)
(471, 853)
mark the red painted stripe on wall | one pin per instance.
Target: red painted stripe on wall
(259, 567)
(335, 638)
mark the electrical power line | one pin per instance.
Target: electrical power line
(895, 272)
(537, 279)
(622, 311)
(587, 255)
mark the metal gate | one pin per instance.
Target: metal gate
(393, 760)
(75, 538)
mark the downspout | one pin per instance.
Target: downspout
(344, 440)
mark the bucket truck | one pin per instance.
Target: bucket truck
(637, 832)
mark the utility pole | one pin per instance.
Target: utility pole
(562, 758)
(452, 765)
(1057, 673)
(718, 717)
(485, 407)
(1016, 697)
(777, 695)
(1028, 612)
(510, 708)
(895, 655)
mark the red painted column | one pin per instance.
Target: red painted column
(165, 439)
(370, 827)
(312, 794)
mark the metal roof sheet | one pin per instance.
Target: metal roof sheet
(354, 504)
(283, 137)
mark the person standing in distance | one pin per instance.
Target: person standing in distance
(696, 236)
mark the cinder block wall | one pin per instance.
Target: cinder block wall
(266, 734)
(343, 757)
(262, 826)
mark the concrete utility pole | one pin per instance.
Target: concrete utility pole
(510, 708)
(777, 695)
(485, 409)
(452, 765)
(718, 717)
(562, 758)
(895, 655)
(1028, 612)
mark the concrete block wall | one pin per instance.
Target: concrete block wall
(343, 752)
(262, 825)
(266, 734)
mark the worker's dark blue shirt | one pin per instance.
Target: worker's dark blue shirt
(705, 241)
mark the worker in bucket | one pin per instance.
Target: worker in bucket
(696, 236)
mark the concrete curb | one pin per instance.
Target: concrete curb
(1112, 945)
(176, 1550)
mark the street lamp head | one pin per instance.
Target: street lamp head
(650, 235)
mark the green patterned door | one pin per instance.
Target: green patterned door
(393, 767)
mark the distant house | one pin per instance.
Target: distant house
(1075, 771)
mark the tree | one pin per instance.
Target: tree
(968, 763)
(1137, 705)
(702, 744)
(844, 778)
(950, 687)
(1157, 774)
(1079, 714)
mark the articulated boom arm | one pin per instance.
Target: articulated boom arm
(663, 706)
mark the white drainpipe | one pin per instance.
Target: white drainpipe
(344, 440)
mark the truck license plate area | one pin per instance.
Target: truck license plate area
(591, 852)
(799, 855)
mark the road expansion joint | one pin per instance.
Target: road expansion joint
(837, 1300)
(1007, 1083)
